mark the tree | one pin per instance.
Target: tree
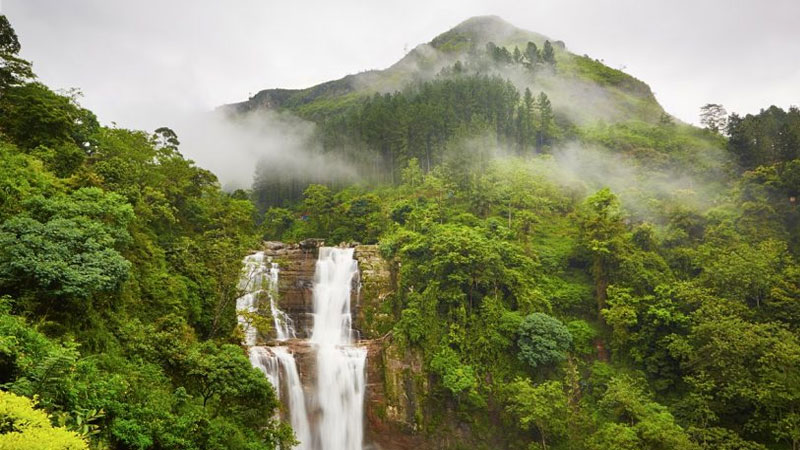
(548, 54)
(517, 55)
(455, 376)
(543, 340)
(771, 136)
(635, 421)
(166, 139)
(223, 373)
(13, 70)
(532, 54)
(601, 229)
(638, 323)
(750, 370)
(22, 427)
(277, 221)
(32, 115)
(543, 406)
(742, 271)
(69, 245)
(525, 118)
(318, 205)
(714, 117)
(544, 133)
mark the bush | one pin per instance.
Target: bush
(23, 427)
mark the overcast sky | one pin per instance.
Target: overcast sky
(142, 62)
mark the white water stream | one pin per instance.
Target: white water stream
(330, 414)
(340, 365)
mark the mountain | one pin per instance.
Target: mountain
(483, 79)
(580, 87)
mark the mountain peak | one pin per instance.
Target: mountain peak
(490, 23)
(578, 86)
(479, 30)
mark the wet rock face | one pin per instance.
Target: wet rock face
(296, 282)
(297, 262)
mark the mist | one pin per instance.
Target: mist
(641, 189)
(235, 148)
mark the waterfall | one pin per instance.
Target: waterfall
(284, 327)
(277, 364)
(252, 283)
(266, 361)
(332, 416)
(256, 280)
(340, 366)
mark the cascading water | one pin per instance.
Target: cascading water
(337, 397)
(340, 365)
(276, 363)
(284, 327)
(257, 280)
(251, 283)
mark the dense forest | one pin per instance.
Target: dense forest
(653, 303)
(119, 260)
(576, 322)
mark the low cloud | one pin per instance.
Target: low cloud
(236, 147)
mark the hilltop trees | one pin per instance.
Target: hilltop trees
(769, 137)
(13, 70)
(532, 54)
(714, 117)
(548, 54)
(532, 57)
(424, 121)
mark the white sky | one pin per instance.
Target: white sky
(141, 63)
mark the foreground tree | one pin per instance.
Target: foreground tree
(23, 428)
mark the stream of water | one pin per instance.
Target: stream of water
(327, 414)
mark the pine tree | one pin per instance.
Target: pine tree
(548, 54)
(528, 103)
(517, 55)
(532, 54)
(544, 134)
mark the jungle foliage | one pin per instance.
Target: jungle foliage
(118, 267)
